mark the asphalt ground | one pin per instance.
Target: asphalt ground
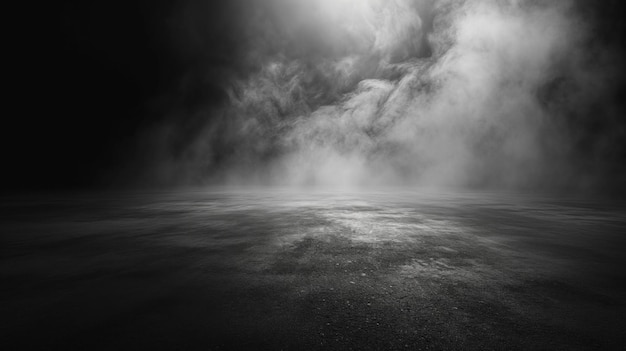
(226, 269)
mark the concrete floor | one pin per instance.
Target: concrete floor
(271, 269)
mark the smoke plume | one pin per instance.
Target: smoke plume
(477, 93)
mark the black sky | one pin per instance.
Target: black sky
(87, 78)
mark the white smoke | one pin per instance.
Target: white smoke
(467, 116)
(357, 103)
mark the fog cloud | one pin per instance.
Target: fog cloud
(476, 93)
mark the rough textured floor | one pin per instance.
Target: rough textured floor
(251, 269)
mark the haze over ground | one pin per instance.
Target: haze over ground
(321, 174)
(472, 94)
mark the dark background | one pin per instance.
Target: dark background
(85, 78)
(88, 76)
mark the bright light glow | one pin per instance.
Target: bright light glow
(377, 25)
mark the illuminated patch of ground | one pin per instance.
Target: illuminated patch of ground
(274, 269)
